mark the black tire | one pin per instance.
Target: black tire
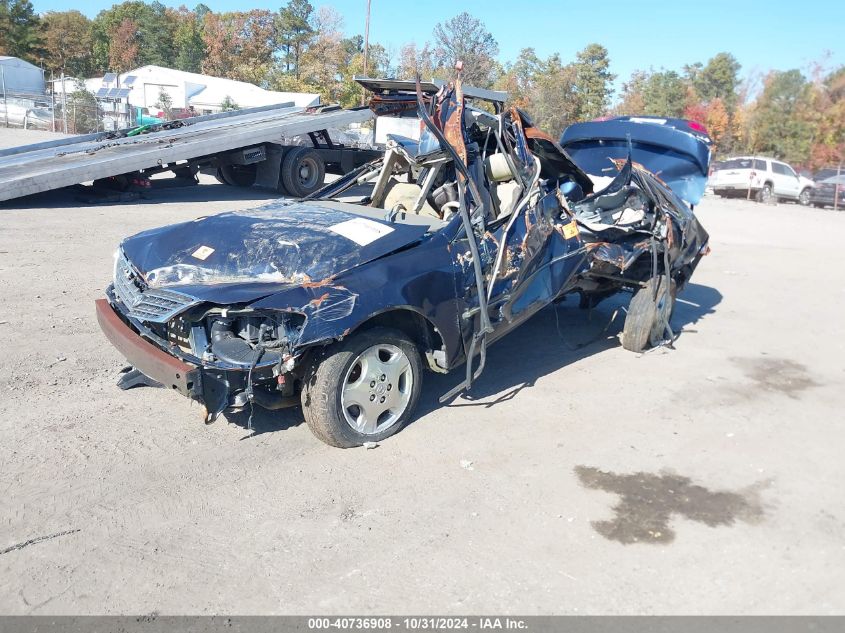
(238, 175)
(645, 321)
(303, 171)
(327, 412)
(765, 194)
(804, 197)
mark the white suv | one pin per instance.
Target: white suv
(765, 178)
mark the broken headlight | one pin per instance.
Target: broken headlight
(239, 337)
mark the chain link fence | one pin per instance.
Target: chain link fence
(77, 112)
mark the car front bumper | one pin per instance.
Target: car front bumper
(211, 389)
(215, 388)
(146, 357)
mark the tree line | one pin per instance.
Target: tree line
(787, 114)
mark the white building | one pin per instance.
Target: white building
(142, 87)
(20, 77)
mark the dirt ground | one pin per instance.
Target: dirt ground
(705, 479)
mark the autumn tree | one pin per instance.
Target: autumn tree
(829, 105)
(240, 45)
(414, 60)
(124, 46)
(188, 44)
(466, 39)
(323, 62)
(546, 88)
(662, 93)
(67, 42)
(154, 33)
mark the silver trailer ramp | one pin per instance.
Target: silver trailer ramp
(44, 166)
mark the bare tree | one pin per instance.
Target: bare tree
(466, 39)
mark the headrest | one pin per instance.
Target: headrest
(497, 168)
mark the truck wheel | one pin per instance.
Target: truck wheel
(804, 197)
(238, 175)
(765, 194)
(303, 171)
(645, 324)
(364, 389)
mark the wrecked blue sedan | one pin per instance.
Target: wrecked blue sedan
(418, 260)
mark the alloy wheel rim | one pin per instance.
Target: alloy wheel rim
(804, 198)
(376, 389)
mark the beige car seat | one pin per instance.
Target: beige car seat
(504, 187)
(406, 194)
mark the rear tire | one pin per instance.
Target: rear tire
(645, 323)
(303, 171)
(380, 368)
(238, 175)
(765, 194)
(804, 197)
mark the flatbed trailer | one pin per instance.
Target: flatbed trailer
(241, 147)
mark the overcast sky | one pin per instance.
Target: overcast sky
(639, 34)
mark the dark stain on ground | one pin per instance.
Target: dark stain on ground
(648, 501)
(777, 375)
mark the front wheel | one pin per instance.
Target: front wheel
(364, 389)
(648, 315)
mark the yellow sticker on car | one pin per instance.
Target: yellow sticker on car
(570, 230)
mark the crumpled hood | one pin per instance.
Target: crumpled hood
(264, 249)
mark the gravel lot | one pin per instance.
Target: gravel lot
(705, 479)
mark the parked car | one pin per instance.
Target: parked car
(825, 191)
(32, 118)
(419, 259)
(827, 172)
(764, 178)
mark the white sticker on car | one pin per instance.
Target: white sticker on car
(202, 253)
(361, 230)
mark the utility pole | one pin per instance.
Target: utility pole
(64, 101)
(366, 51)
(52, 102)
(367, 39)
(5, 102)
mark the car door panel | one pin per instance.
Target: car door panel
(543, 253)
